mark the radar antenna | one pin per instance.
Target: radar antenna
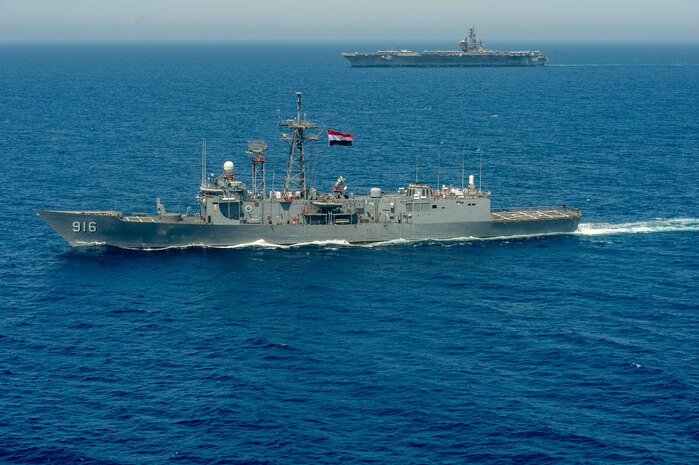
(295, 178)
(256, 148)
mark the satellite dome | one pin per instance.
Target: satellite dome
(228, 167)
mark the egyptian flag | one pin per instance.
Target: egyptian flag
(339, 138)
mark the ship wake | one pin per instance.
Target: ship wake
(658, 225)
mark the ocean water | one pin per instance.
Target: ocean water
(578, 348)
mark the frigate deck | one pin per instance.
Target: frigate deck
(529, 214)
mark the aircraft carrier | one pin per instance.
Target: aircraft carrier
(471, 53)
(232, 213)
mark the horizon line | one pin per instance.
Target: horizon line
(331, 40)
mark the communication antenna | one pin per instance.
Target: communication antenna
(439, 164)
(480, 174)
(417, 162)
(274, 174)
(203, 162)
(463, 151)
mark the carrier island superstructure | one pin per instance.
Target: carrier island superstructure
(471, 52)
(232, 213)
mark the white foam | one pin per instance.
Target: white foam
(499, 238)
(657, 225)
(261, 243)
(341, 243)
(387, 243)
(160, 249)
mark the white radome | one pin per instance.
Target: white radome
(228, 167)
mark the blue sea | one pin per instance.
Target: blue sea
(569, 349)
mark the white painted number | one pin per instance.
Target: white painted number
(84, 226)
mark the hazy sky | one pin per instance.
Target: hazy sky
(358, 19)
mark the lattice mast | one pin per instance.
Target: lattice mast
(256, 148)
(295, 178)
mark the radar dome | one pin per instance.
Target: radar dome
(228, 167)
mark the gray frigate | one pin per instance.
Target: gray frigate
(232, 213)
(471, 52)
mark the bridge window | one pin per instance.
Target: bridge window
(230, 210)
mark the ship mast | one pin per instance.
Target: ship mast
(256, 148)
(472, 38)
(295, 178)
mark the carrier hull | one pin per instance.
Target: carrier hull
(472, 53)
(424, 60)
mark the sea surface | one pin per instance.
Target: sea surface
(577, 348)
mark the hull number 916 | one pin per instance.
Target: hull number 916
(84, 226)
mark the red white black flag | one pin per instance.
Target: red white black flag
(339, 138)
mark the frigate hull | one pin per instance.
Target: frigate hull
(154, 233)
(231, 214)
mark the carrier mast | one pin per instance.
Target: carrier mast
(295, 178)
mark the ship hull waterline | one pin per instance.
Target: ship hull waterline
(90, 228)
(397, 61)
